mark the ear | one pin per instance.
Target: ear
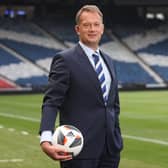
(77, 29)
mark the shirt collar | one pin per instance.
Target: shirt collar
(88, 51)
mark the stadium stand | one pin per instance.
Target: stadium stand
(156, 55)
(20, 72)
(33, 44)
(19, 26)
(128, 68)
(64, 31)
(34, 53)
(149, 44)
(139, 50)
(26, 55)
(7, 58)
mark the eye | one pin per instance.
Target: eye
(97, 24)
(86, 25)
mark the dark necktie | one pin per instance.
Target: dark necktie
(100, 74)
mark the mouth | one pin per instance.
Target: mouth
(92, 35)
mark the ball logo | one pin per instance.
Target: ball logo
(70, 137)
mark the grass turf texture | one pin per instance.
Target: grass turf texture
(143, 114)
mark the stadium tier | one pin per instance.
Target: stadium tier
(129, 70)
(20, 72)
(34, 81)
(64, 31)
(7, 58)
(149, 42)
(40, 55)
(30, 51)
(19, 26)
(132, 73)
(157, 57)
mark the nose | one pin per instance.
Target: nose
(91, 27)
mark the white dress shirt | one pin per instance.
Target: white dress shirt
(47, 135)
(89, 52)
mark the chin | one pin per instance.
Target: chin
(93, 41)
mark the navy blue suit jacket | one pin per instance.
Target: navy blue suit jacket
(74, 90)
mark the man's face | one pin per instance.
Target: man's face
(90, 29)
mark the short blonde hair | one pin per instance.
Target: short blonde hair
(88, 8)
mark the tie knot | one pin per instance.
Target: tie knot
(96, 57)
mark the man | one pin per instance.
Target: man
(83, 88)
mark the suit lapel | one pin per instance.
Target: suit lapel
(86, 66)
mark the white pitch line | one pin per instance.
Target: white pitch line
(11, 129)
(155, 141)
(24, 133)
(19, 117)
(1, 126)
(11, 160)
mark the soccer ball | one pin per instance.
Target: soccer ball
(70, 137)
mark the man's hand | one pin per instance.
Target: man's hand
(57, 152)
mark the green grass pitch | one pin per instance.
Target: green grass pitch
(144, 124)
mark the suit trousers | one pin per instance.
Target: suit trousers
(106, 161)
